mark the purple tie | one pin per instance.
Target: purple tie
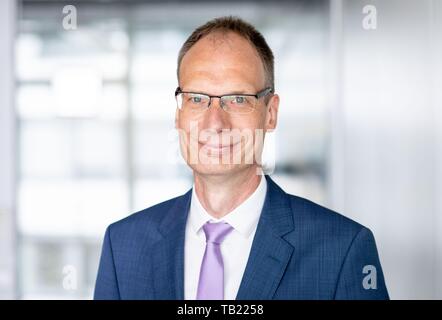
(211, 282)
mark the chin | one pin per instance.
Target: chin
(218, 169)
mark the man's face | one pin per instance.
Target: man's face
(215, 142)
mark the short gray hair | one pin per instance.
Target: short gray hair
(240, 27)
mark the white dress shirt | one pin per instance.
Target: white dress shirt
(235, 248)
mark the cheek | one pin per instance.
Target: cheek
(183, 127)
(256, 121)
(188, 121)
(182, 122)
(252, 129)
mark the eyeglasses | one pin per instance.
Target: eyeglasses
(232, 103)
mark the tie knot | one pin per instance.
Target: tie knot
(216, 232)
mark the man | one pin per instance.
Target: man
(235, 234)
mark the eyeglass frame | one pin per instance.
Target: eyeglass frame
(258, 95)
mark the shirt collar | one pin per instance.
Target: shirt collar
(243, 218)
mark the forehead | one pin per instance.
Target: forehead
(223, 59)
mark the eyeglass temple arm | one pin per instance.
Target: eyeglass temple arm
(264, 92)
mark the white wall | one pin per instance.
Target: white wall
(386, 164)
(437, 94)
(7, 162)
(386, 137)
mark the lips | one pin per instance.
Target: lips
(217, 148)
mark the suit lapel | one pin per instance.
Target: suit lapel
(168, 252)
(270, 253)
(268, 258)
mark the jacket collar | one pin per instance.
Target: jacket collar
(268, 258)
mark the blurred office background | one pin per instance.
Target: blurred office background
(86, 127)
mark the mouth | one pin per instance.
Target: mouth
(216, 149)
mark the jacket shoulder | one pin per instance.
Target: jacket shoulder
(143, 222)
(336, 248)
(322, 223)
(315, 211)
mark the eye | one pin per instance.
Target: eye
(195, 99)
(239, 100)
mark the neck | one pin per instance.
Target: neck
(220, 195)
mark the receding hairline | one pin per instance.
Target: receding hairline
(224, 26)
(221, 37)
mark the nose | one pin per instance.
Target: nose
(215, 102)
(215, 118)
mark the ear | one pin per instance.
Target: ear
(272, 113)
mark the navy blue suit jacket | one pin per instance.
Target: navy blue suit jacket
(300, 251)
